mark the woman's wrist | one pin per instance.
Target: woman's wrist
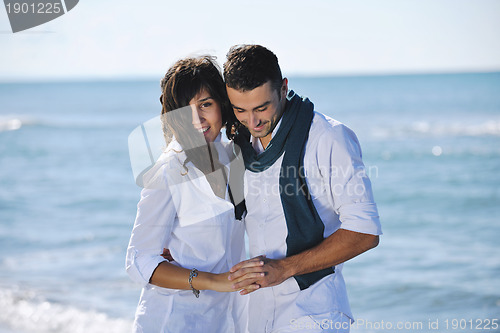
(204, 281)
(212, 281)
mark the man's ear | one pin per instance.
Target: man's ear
(284, 88)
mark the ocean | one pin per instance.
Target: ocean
(431, 145)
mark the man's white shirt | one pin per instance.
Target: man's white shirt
(341, 192)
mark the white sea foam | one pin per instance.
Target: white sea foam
(14, 122)
(490, 127)
(486, 128)
(25, 311)
(10, 124)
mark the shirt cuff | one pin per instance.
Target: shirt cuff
(142, 272)
(360, 217)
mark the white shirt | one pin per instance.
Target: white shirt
(180, 212)
(342, 195)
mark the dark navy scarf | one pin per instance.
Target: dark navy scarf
(305, 228)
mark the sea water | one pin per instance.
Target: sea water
(431, 145)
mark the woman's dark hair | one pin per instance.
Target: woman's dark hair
(183, 81)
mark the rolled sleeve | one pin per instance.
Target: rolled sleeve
(361, 217)
(349, 185)
(152, 228)
(140, 269)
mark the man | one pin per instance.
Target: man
(309, 201)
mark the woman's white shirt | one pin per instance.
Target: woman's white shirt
(179, 211)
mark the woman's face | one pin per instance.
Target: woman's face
(207, 117)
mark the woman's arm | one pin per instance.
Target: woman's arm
(145, 262)
(167, 275)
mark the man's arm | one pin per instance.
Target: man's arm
(339, 247)
(352, 199)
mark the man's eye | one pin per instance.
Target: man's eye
(262, 109)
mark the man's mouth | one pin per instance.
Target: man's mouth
(259, 128)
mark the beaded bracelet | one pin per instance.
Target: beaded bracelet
(194, 273)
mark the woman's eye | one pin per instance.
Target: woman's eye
(206, 105)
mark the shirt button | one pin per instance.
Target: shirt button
(261, 225)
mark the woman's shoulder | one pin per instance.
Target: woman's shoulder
(231, 150)
(167, 167)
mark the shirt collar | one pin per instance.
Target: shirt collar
(218, 138)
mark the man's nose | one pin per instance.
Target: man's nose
(253, 120)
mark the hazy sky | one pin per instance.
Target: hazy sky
(129, 39)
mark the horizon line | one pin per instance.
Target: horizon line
(298, 75)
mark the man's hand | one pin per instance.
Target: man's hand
(267, 273)
(166, 254)
(337, 248)
(221, 283)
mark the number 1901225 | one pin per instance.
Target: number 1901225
(32, 8)
(471, 324)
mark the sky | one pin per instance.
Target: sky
(125, 39)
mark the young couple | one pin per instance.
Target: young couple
(309, 206)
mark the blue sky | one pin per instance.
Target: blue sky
(141, 39)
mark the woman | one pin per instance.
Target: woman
(187, 207)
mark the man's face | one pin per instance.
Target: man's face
(259, 109)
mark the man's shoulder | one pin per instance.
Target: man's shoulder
(325, 127)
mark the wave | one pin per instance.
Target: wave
(23, 310)
(10, 124)
(487, 128)
(13, 123)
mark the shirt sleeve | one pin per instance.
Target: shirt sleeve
(153, 225)
(347, 181)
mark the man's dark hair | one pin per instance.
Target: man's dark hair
(250, 66)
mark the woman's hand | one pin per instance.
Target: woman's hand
(253, 271)
(221, 283)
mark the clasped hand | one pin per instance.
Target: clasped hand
(246, 276)
(255, 273)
